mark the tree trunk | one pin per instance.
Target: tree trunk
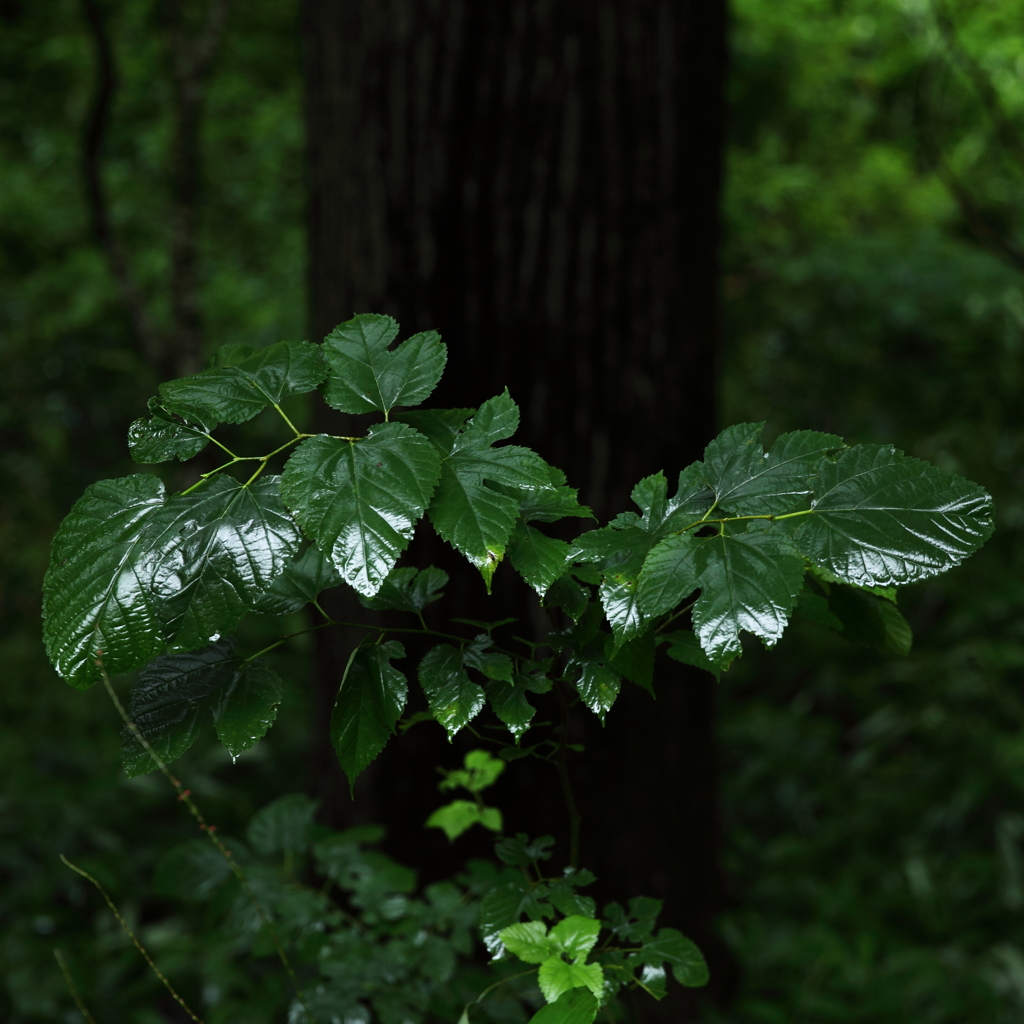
(539, 180)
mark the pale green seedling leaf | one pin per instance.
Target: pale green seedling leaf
(360, 500)
(367, 376)
(234, 391)
(458, 816)
(369, 704)
(175, 694)
(882, 519)
(556, 976)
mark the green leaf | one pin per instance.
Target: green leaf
(556, 976)
(162, 437)
(453, 697)
(509, 703)
(882, 519)
(492, 664)
(598, 685)
(408, 590)
(749, 581)
(475, 518)
(869, 620)
(634, 660)
(480, 770)
(670, 946)
(552, 502)
(370, 701)
(521, 851)
(564, 897)
(234, 391)
(299, 584)
(539, 559)
(441, 426)
(685, 647)
(190, 871)
(815, 607)
(575, 936)
(132, 569)
(460, 815)
(282, 826)
(577, 1006)
(669, 574)
(746, 481)
(365, 376)
(528, 941)
(360, 500)
(567, 594)
(177, 692)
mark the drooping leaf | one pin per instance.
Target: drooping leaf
(453, 697)
(749, 581)
(360, 500)
(163, 437)
(577, 1006)
(235, 390)
(598, 684)
(672, 947)
(475, 518)
(366, 376)
(370, 702)
(132, 569)
(881, 519)
(552, 502)
(408, 590)
(815, 607)
(557, 976)
(746, 481)
(634, 660)
(283, 825)
(460, 815)
(176, 693)
(567, 594)
(539, 559)
(299, 584)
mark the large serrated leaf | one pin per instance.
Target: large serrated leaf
(881, 519)
(360, 500)
(454, 699)
(235, 391)
(163, 437)
(669, 574)
(475, 518)
(132, 569)
(749, 581)
(747, 481)
(370, 702)
(177, 692)
(365, 376)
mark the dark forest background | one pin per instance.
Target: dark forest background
(650, 220)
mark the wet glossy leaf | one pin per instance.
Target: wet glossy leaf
(575, 935)
(441, 426)
(567, 594)
(509, 702)
(453, 697)
(669, 574)
(360, 500)
(578, 1006)
(475, 518)
(746, 481)
(634, 660)
(132, 569)
(408, 590)
(370, 701)
(233, 391)
(749, 581)
(882, 519)
(283, 825)
(164, 437)
(175, 694)
(367, 376)
(556, 976)
(539, 559)
(598, 684)
(528, 941)
(670, 946)
(552, 502)
(299, 584)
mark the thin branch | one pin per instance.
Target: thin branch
(72, 988)
(92, 174)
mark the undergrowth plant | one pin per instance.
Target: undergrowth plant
(147, 582)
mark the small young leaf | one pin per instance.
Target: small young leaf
(528, 941)
(521, 851)
(360, 500)
(598, 685)
(539, 559)
(575, 936)
(556, 976)
(162, 437)
(370, 701)
(453, 697)
(174, 695)
(577, 1006)
(299, 584)
(365, 376)
(234, 391)
(509, 703)
(282, 826)
(670, 946)
(492, 664)
(480, 770)
(881, 519)
(458, 816)
(408, 590)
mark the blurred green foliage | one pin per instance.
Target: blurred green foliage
(874, 806)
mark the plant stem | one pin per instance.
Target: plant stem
(70, 982)
(563, 775)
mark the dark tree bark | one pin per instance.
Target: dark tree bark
(539, 180)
